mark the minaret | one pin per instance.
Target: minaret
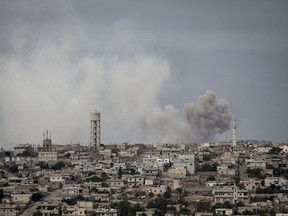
(234, 127)
(47, 143)
(95, 130)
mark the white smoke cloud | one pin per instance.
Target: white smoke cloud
(47, 90)
(53, 75)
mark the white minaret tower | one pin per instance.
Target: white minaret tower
(95, 130)
(234, 127)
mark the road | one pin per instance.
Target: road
(32, 208)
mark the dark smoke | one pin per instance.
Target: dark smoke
(208, 117)
(197, 122)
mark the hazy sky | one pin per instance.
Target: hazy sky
(137, 60)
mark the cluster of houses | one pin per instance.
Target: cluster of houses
(187, 179)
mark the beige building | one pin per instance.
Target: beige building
(177, 172)
(20, 198)
(8, 210)
(231, 194)
(156, 190)
(250, 184)
(47, 156)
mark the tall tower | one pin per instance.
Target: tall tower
(47, 142)
(234, 127)
(95, 129)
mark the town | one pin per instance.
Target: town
(243, 177)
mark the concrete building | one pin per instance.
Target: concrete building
(255, 164)
(95, 130)
(231, 194)
(20, 148)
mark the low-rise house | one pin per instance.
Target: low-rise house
(8, 210)
(71, 189)
(57, 178)
(147, 212)
(49, 208)
(203, 214)
(15, 181)
(48, 156)
(115, 182)
(225, 170)
(20, 148)
(149, 181)
(251, 184)
(156, 190)
(101, 197)
(222, 212)
(255, 164)
(88, 205)
(151, 171)
(277, 181)
(105, 212)
(133, 180)
(73, 211)
(20, 198)
(177, 172)
(231, 194)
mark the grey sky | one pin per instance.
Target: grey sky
(59, 60)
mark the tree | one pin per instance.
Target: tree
(203, 206)
(209, 167)
(1, 194)
(151, 204)
(37, 213)
(58, 166)
(7, 153)
(150, 194)
(124, 208)
(185, 211)
(36, 197)
(68, 155)
(167, 195)
(13, 168)
(275, 150)
(211, 178)
(120, 173)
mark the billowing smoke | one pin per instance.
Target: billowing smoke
(56, 69)
(208, 117)
(196, 122)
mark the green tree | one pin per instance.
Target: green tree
(7, 153)
(203, 206)
(275, 150)
(150, 194)
(120, 172)
(58, 166)
(13, 168)
(185, 211)
(124, 208)
(167, 194)
(211, 178)
(37, 213)
(36, 197)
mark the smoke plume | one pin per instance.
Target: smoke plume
(56, 69)
(196, 122)
(208, 117)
